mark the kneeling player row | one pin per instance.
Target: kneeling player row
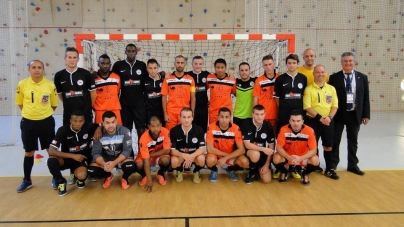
(250, 147)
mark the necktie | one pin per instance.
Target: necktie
(348, 88)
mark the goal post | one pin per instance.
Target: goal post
(234, 48)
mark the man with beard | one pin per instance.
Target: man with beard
(178, 91)
(107, 86)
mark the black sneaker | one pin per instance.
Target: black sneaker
(283, 177)
(250, 176)
(305, 182)
(331, 174)
(62, 190)
(319, 170)
(81, 184)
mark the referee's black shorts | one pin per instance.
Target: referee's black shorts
(134, 115)
(201, 117)
(326, 133)
(31, 130)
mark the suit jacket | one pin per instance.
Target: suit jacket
(362, 103)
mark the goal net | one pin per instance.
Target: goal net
(234, 48)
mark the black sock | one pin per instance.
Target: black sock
(163, 170)
(280, 167)
(141, 172)
(54, 168)
(197, 168)
(213, 168)
(107, 174)
(180, 168)
(234, 168)
(253, 166)
(28, 164)
(328, 157)
(309, 168)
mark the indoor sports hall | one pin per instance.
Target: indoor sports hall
(237, 31)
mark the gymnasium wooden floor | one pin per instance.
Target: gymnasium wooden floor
(375, 199)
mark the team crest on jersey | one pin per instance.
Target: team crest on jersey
(252, 83)
(264, 135)
(85, 136)
(161, 84)
(54, 142)
(204, 80)
(194, 140)
(45, 99)
(300, 85)
(138, 72)
(328, 99)
(80, 82)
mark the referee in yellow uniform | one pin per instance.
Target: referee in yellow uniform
(321, 103)
(37, 98)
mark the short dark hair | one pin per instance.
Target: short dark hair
(179, 56)
(71, 49)
(108, 114)
(244, 63)
(267, 57)
(296, 113)
(220, 60)
(224, 109)
(104, 56)
(30, 63)
(258, 107)
(77, 113)
(186, 109)
(293, 57)
(153, 118)
(152, 61)
(130, 45)
(197, 57)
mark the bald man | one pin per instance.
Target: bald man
(307, 69)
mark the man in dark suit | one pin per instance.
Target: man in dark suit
(353, 109)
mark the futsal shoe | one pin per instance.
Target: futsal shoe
(54, 184)
(161, 179)
(178, 176)
(62, 190)
(197, 178)
(25, 185)
(276, 174)
(72, 179)
(305, 179)
(250, 177)
(331, 174)
(232, 175)
(142, 182)
(294, 171)
(213, 176)
(124, 184)
(80, 184)
(107, 181)
(283, 177)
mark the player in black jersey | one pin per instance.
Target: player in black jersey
(75, 153)
(152, 91)
(259, 141)
(75, 87)
(132, 73)
(289, 89)
(187, 146)
(202, 102)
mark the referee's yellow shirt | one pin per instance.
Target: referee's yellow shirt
(309, 74)
(320, 99)
(37, 99)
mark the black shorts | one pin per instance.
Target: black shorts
(32, 130)
(72, 164)
(326, 133)
(133, 115)
(157, 113)
(239, 122)
(263, 159)
(201, 117)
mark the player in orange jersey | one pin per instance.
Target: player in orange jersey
(264, 89)
(155, 147)
(221, 139)
(296, 146)
(178, 91)
(107, 86)
(220, 87)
